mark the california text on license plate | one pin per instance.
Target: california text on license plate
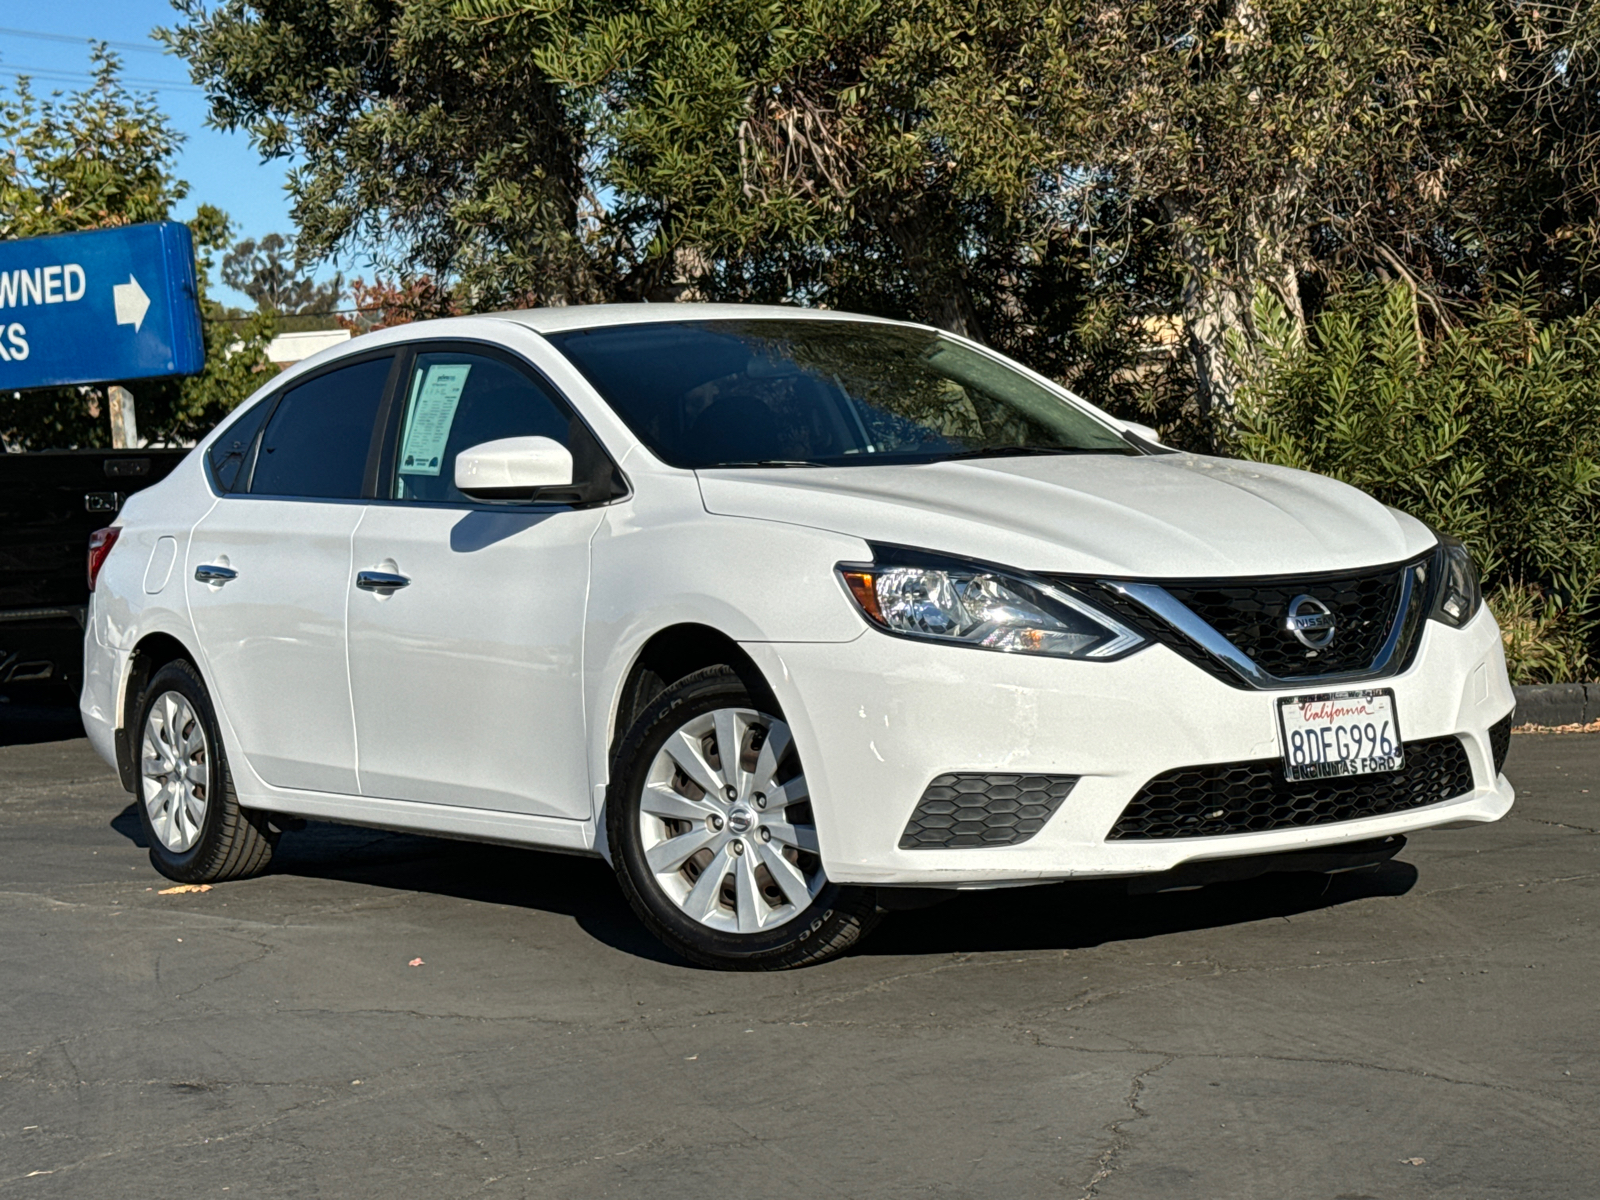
(1340, 733)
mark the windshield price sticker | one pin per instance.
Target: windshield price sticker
(1339, 733)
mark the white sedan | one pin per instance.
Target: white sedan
(792, 616)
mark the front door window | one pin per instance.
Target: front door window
(455, 401)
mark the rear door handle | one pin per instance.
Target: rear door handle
(211, 573)
(380, 581)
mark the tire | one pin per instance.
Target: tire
(192, 821)
(731, 882)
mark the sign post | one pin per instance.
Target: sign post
(124, 422)
(107, 305)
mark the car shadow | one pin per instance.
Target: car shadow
(29, 716)
(1082, 914)
(572, 885)
(1063, 916)
(479, 529)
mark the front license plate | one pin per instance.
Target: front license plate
(1340, 733)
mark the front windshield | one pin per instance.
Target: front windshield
(804, 392)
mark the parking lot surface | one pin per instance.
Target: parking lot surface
(1432, 1029)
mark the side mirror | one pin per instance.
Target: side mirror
(513, 468)
(1141, 431)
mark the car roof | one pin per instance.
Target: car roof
(594, 316)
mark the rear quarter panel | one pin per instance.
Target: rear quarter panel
(131, 602)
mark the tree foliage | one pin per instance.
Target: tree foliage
(271, 273)
(99, 158)
(1049, 176)
(386, 302)
(431, 144)
(1491, 433)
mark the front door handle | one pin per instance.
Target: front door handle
(211, 573)
(380, 581)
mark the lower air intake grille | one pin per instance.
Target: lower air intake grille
(984, 810)
(1500, 741)
(1249, 797)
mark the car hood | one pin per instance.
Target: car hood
(1172, 516)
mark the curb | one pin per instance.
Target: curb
(1556, 704)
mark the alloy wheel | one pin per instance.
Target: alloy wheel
(175, 766)
(726, 824)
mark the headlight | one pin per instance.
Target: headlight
(1459, 596)
(982, 606)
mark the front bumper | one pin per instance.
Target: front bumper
(877, 719)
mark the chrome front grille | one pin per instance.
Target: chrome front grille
(1237, 629)
(1251, 616)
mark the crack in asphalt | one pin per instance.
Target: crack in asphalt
(267, 950)
(191, 912)
(181, 1143)
(1510, 883)
(1559, 825)
(421, 1015)
(1308, 1060)
(959, 962)
(1110, 1160)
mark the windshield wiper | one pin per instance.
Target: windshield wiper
(1001, 451)
(762, 462)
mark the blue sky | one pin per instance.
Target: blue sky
(220, 168)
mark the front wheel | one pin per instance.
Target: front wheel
(713, 835)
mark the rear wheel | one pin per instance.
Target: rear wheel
(192, 820)
(713, 835)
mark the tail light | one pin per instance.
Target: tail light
(100, 543)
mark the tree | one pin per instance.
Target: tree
(1287, 144)
(1247, 144)
(434, 145)
(892, 156)
(1055, 177)
(386, 302)
(271, 274)
(474, 153)
(101, 158)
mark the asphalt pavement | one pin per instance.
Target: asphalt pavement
(395, 1016)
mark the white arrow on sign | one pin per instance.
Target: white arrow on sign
(131, 303)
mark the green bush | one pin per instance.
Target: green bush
(1490, 432)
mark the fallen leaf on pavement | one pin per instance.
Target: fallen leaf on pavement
(1415, 1162)
(183, 889)
(415, 962)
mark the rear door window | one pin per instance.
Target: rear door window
(457, 399)
(230, 453)
(319, 437)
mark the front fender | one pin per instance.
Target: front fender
(754, 581)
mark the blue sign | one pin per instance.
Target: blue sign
(99, 307)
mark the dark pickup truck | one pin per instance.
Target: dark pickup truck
(50, 503)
